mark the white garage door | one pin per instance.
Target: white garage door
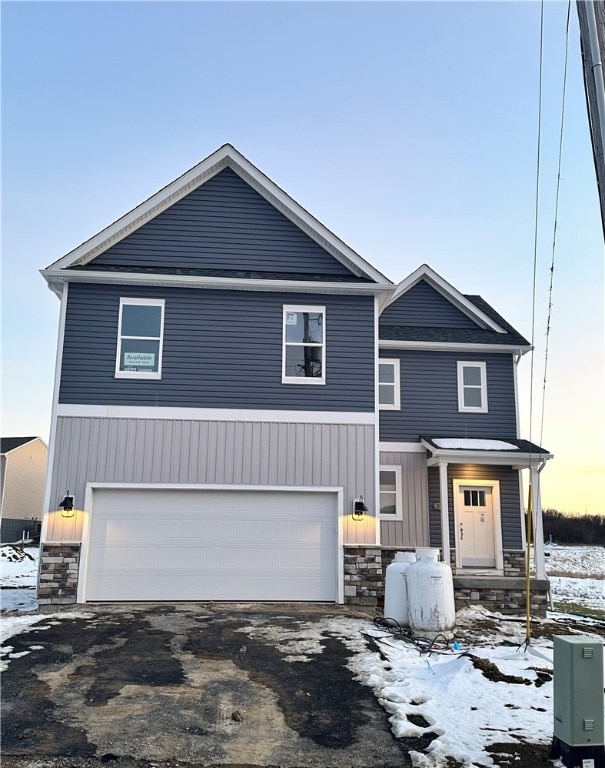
(212, 545)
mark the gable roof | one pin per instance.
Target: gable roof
(224, 157)
(490, 331)
(459, 300)
(8, 444)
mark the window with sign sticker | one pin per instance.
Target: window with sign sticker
(140, 337)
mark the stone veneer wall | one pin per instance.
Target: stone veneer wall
(365, 569)
(58, 581)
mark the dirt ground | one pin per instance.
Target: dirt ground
(162, 686)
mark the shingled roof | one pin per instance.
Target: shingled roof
(10, 443)
(458, 335)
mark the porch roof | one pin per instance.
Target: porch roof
(512, 452)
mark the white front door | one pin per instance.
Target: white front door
(476, 527)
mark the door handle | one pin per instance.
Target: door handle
(461, 531)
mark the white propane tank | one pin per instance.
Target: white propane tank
(430, 593)
(395, 590)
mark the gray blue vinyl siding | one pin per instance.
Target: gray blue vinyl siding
(222, 349)
(510, 510)
(429, 397)
(423, 306)
(223, 224)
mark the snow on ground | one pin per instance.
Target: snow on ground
(492, 690)
(575, 561)
(18, 566)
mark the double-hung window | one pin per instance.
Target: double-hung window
(391, 506)
(472, 387)
(140, 339)
(304, 345)
(388, 384)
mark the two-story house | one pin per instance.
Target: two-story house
(246, 409)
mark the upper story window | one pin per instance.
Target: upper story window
(391, 505)
(472, 387)
(140, 337)
(304, 345)
(388, 385)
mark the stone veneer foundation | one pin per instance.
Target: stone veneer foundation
(58, 581)
(365, 569)
(364, 575)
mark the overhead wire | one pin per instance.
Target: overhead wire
(529, 521)
(555, 227)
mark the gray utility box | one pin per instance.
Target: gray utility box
(578, 690)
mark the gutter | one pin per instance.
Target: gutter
(56, 277)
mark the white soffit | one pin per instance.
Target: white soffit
(225, 156)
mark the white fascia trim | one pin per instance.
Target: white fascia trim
(54, 415)
(424, 272)
(225, 156)
(501, 458)
(54, 276)
(377, 526)
(402, 447)
(214, 414)
(452, 346)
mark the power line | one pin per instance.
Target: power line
(554, 234)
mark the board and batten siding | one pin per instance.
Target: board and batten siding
(423, 306)
(429, 397)
(120, 450)
(413, 531)
(222, 349)
(510, 510)
(223, 224)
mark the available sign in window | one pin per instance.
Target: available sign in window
(140, 341)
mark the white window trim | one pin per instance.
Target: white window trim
(140, 374)
(394, 361)
(462, 364)
(302, 379)
(398, 492)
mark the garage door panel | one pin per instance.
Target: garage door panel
(212, 545)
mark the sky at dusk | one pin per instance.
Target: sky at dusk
(408, 129)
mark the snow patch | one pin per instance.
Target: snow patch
(474, 445)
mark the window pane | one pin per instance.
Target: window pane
(141, 355)
(481, 498)
(472, 397)
(388, 479)
(467, 498)
(386, 394)
(388, 503)
(304, 327)
(304, 361)
(141, 320)
(471, 375)
(386, 373)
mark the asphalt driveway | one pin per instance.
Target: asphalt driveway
(210, 685)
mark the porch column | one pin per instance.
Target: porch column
(445, 518)
(537, 518)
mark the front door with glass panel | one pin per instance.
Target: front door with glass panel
(476, 527)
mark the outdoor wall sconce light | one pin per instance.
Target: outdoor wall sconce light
(67, 506)
(359, 509)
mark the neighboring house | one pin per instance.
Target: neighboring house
(233, 380)
(23, 463)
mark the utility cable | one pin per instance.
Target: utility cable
(533, 324)
(554, 235)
